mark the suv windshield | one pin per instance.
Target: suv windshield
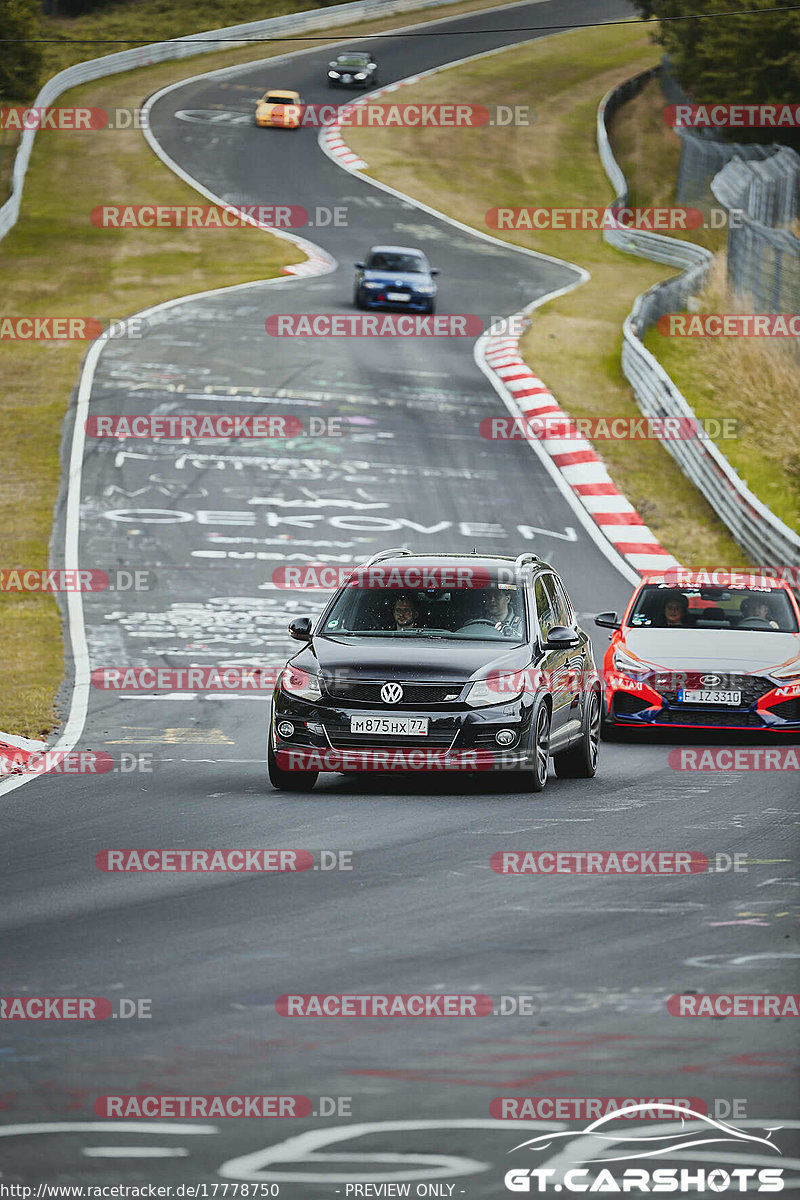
(492, 614)
(396, 262)
(665, 607)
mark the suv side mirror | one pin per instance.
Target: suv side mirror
(561, 638)
(608, 620)
(360, 266)
(434, 270)
(300, 629)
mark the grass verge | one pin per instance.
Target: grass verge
(574, 342)
(55, 263)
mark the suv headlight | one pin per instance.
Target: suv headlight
(497, 689)
(296, 682)
(333, 74)
(360, 75)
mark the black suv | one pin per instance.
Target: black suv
(439, 662)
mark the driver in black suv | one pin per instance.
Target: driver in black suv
(499, 609)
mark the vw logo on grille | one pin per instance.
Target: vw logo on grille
(711, 680)
(391, 693)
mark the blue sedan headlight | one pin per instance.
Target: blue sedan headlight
(425, 289)
(369, 284)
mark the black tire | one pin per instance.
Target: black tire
(432, 307)
(536, 773)
(359, 303)
(580, 761)
(288, 781)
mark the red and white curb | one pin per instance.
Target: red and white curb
(331, 139)
(577, 461)
(575, 458)
(15, 752)
(317, 262)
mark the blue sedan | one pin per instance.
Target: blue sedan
(395, 277)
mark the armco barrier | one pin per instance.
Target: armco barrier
(185, 47)
(764, 537)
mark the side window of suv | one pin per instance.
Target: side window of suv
(566, 603)
(561, 607)
(544, 606)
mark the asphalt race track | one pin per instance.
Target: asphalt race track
(420, 910)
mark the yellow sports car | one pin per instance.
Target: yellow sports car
(282, 109)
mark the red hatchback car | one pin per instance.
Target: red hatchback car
(707, 650)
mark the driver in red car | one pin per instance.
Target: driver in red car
(758, 606)
(676, 609)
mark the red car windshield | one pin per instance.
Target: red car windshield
(666, 607)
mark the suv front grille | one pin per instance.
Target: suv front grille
(415, 695)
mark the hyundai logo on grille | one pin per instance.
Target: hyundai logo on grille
(711, 680)
(391, 693)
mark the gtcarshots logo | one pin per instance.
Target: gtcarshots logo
(580, 1164)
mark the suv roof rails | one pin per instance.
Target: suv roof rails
(526, 559)
(387, 554)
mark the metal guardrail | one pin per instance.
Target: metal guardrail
(766, 539)
(763, 261)
(185, 47)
